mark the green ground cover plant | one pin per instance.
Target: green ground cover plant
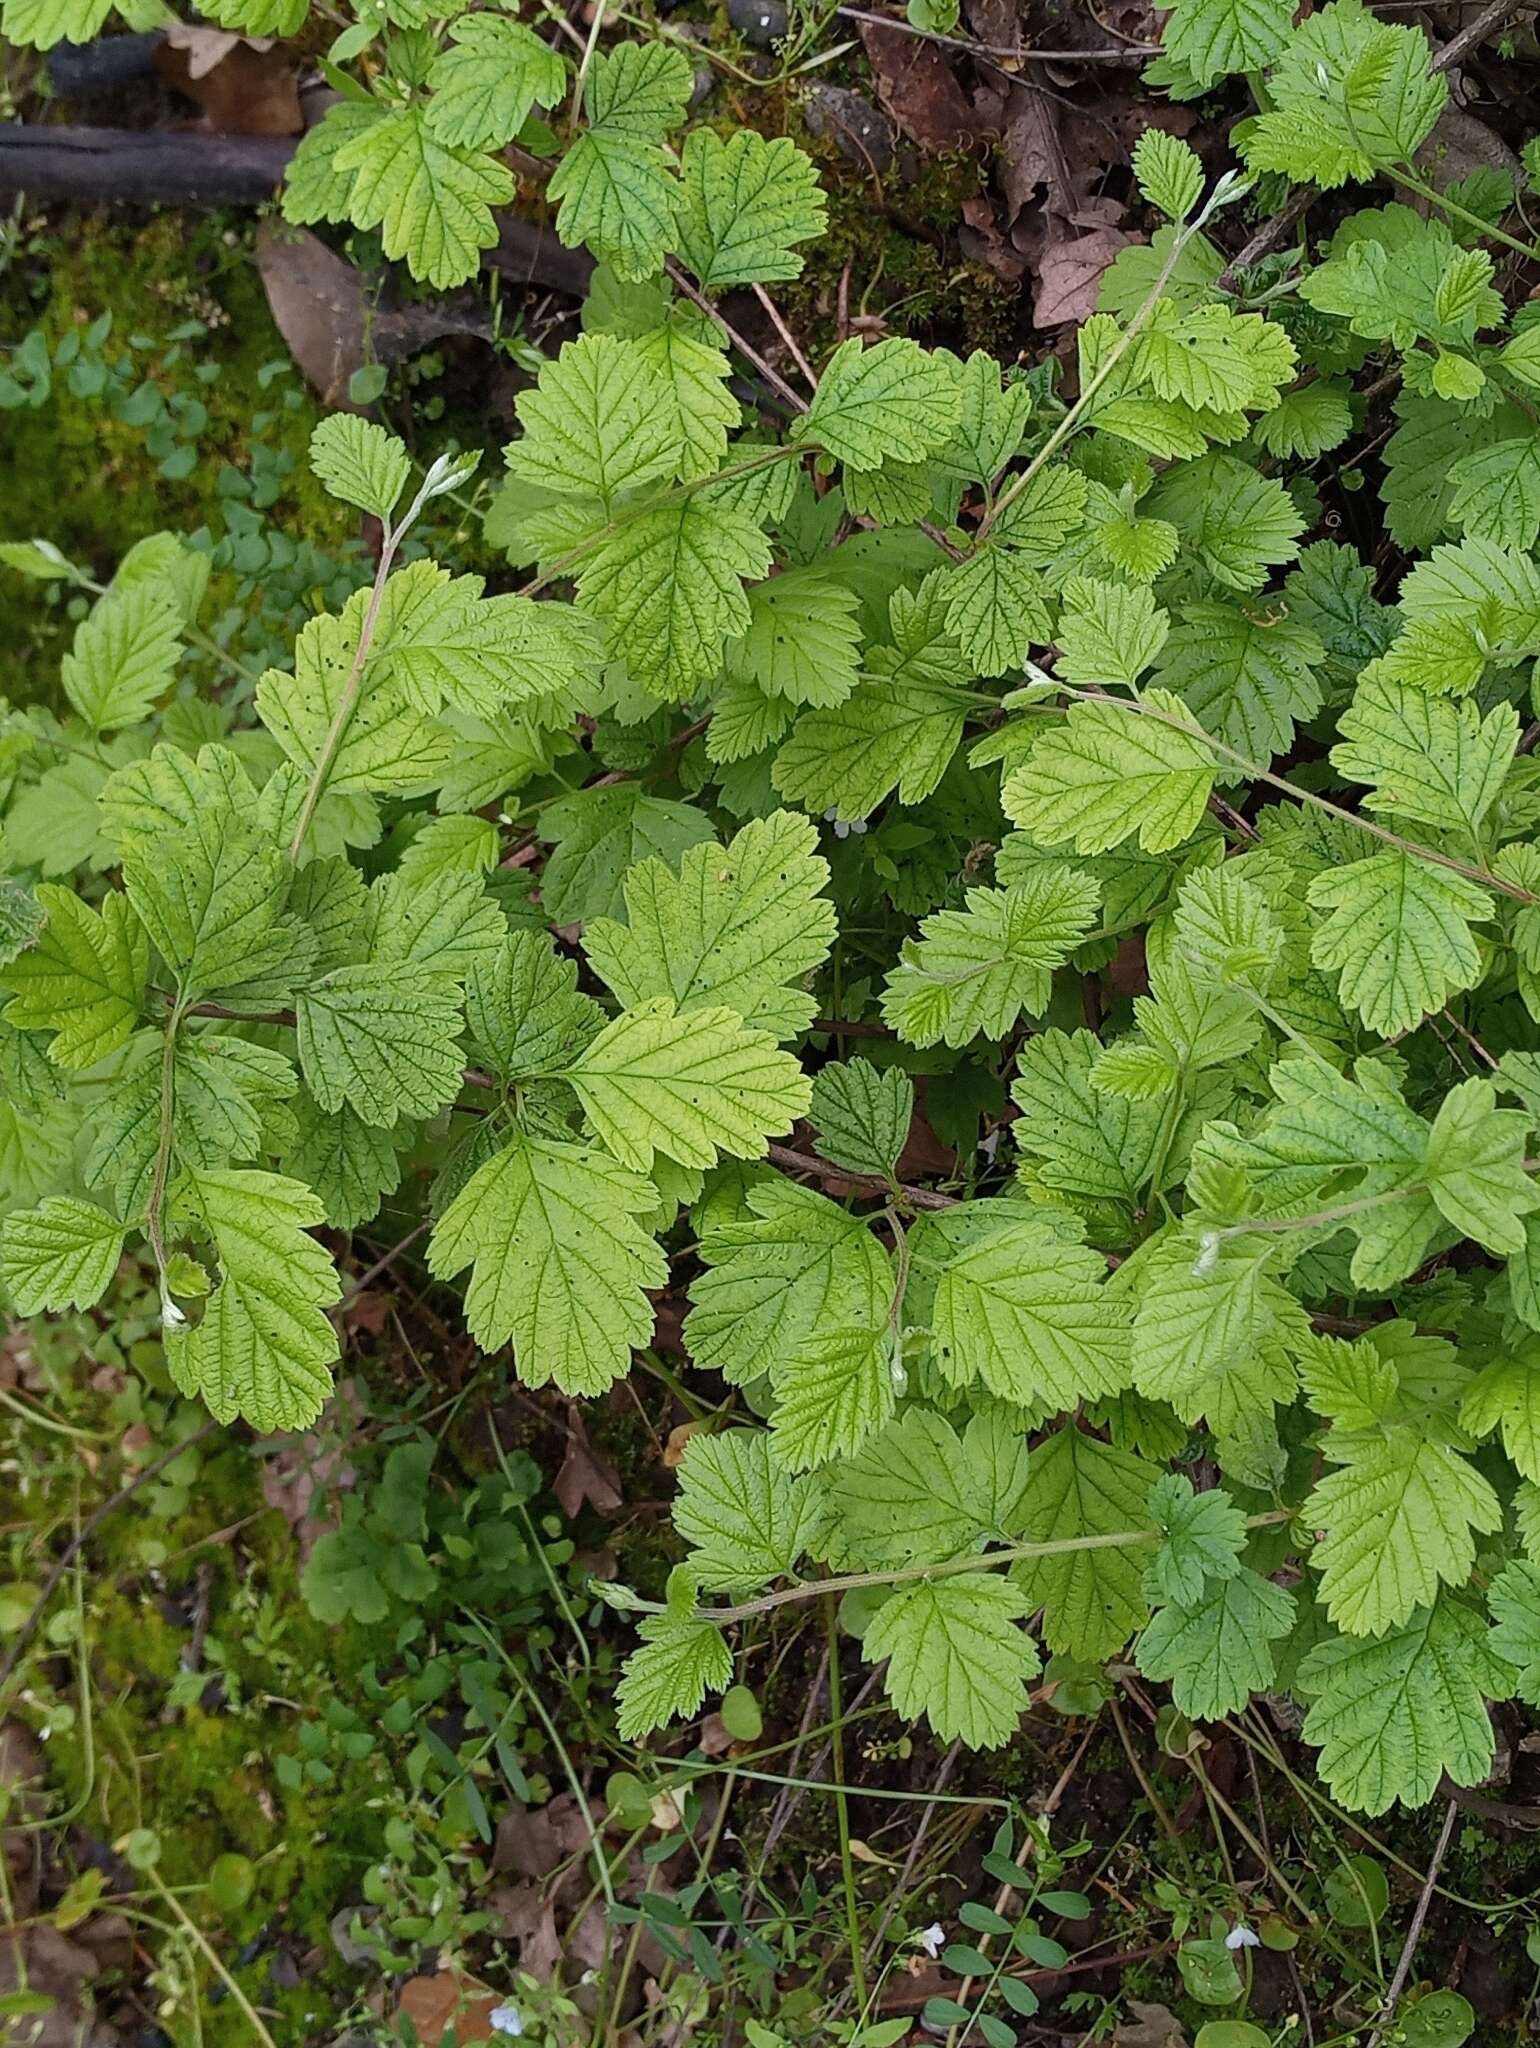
(1012, 751)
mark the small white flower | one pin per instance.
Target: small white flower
(1242, 1936)
(170, 1314)
(931, 1939)
(506, 2019)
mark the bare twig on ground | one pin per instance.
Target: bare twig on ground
(1414, 1932)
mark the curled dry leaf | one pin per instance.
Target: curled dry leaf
(244, 85)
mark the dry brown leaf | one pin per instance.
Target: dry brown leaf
(1069, 274)
(244, 85)
(673, 1450)
(1153, 2026)
(584, 1475)
(319, 302)
(919, 90)
(524, 1914)
(432, 2003)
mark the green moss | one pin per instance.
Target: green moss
(904, 262)
(203, 1780)
(84, 480)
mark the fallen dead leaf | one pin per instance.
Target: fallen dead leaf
(323, 307)
(432, 2003)
(524, 1914)
(673, 1450)
(584, 1475)
(919, 90)
(305, 1466)
(1154, 2026)
(244, 85)
(863, 1852)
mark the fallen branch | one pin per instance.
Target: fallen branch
(109, 166)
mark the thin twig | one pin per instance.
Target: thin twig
(792, 344)
(1273, 231)
(772, 376)
(1459, 45)
(868, 1183)
(1414, 1932)
(1133, 55)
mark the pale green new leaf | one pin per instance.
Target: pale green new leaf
(382, 1037)
(438, 641)
(360, 463)
(680, 1661)
(1432, 760)
(796, 1265)
(738, 927)
(1475, 1167)
(352, 1165)
(1391, 1716)
(1210, 37)
(668, 587)
(690, 1084)
(1248, 679)
(1030, 1316)
(1505, 1395)
(1036, 520)
(978, 970)
(265, 1346)
(898, 732)
(444, 922)
(211, 896)
(1206, 1312)
(918, 1491)
(1169, 172)
(1400, 934)
(486, 84)
(1239, 523)
(60, 1255)
(836, 1390)
(894, 402)
(1514, 1598)
(123, 657)
(746, 1519)
(687, 354)
(1078, 1486)
(598, 422)
(1497, 493)
(1108, 633)
(315, 188)
(1400, 1517)
(997, 610)
(1081, 1142)
(745, 204)
(1204, 1534)
(957, 1655)
(559, 1261)
(389, 743)
(524, 1010)
(618, 196)
(39, 24)
(862, 1115)
(1108, 772)
(83, 980)
(990, 425)
(803, 639)
(1351, 95)
(1218, 1651)
(432, 204)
